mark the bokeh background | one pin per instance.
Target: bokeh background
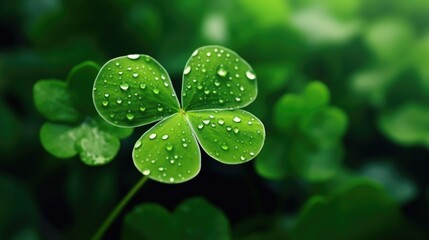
(359, 169)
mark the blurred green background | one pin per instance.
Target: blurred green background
(346, 156)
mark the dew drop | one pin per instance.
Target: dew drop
(251, 153)
(236, 130)
(220, 121)
(236, 119)
(171, 179)
(209, 54)
(155, 90)
(242, 158)
(146, 172)
(195, 53)
(187, 70)
(124, 86)
(250, 122)
(164, 137)
(135, 75)
(105, 103)
(106, 95)
(142, 85)
(142, 108)
(217, 84)
(250, 75)
(169, 147)
(130, 116)
(152, 136)
(133, 56)
(224, 146)
(119, 100)
(237, 99)
(138, 144)
(185, 145)
(200, 126)
(160, 109)
(206, 121)
(161, 169)
(222, 72)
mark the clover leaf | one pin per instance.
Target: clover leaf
(194, 218)
(74, 127)
(135, 90)
(315, 129)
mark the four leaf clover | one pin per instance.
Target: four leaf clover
(135, 90)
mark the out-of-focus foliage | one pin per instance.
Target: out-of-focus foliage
(68, 104)
(314, 131)
(372, 56)
(194, 218)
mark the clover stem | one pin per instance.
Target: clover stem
(114, 214)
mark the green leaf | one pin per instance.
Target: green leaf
(168, 152)
(134, 90)
(198, 219)
(361, 210)
(316, 96)
(288, 111)
(96, 147)
(325, 127)
(217, 78)
(193, 219)
(54, 101)
(149, 221)
(80, 83)
(407, 125)
(59, 140)
(231, 137)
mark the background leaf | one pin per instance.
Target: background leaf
(59, 140)
(194, 218)
(96, 147)
(54, 102)
(361, 210)
(80, 82)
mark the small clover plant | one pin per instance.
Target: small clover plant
(74, 126)
(135, 90)
(315, 129)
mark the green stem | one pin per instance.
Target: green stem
(112, 216)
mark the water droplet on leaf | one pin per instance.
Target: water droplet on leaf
(250, 75)
(133, 56)
(152, 136)
(187, 70)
